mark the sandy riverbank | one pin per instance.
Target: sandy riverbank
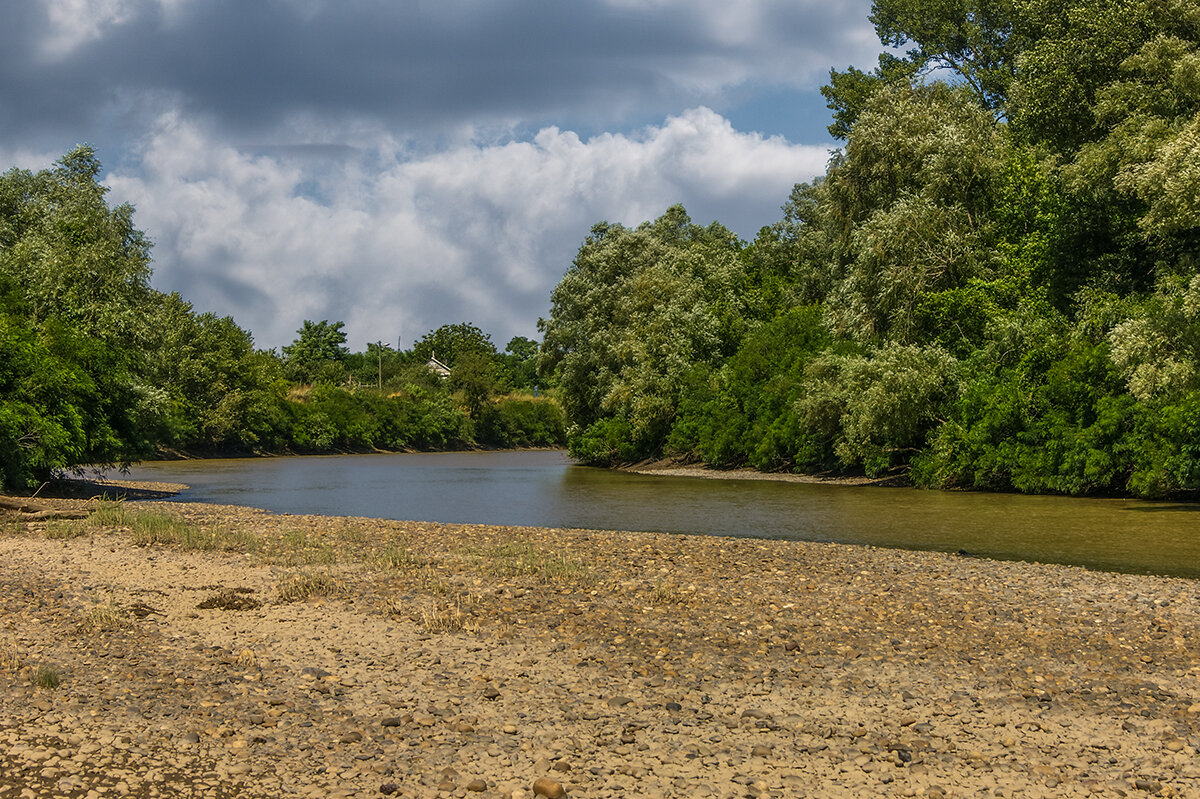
(455, 660)
(673, 468)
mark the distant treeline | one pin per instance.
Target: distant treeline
(96, 367)
(996, 284)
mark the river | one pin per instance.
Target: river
(546, 489)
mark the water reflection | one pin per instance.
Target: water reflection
(545, 488)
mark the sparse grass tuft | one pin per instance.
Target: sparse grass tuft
(447, 617)
(110, 513)
(296, 547)
(525, 560)
(103, 618)
(237, 541)
(351, 533)
(665, 594)
(147, 528)
(46, 677)
(66, 528)
(301, 585)
(10, 658)
(396, 557)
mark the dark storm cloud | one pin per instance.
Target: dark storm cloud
(249, 65)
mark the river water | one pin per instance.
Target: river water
(546, 489)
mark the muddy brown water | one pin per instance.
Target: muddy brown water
(546, 489)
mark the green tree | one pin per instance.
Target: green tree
(318, 352)
(74, 293)
(519, 362)
(910, 203)
(636, 310)
(220, 392)
(474, 376)
(450, 342)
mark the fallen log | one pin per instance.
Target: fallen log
(35, 510)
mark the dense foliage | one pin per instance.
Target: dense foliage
(996, 284)
(96, 367)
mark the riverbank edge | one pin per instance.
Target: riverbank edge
(670, 467)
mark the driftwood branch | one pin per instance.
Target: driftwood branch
(36, 510)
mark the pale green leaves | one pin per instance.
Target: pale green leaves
(878, 408)
(1158, 350)
(635, 312)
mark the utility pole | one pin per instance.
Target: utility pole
(379, 349)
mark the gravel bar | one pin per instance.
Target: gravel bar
(352, 657)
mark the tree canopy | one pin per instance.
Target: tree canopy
(991, 286)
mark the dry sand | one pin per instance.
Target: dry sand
(463, 661)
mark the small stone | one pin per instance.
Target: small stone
(388, 788)
(1174, 746)
(674, 707)
(548, 788)
(352, 737)
(760, 751)
(476, 786)
(491, 693)
(562, 765)
(619, 701)
(392, 721)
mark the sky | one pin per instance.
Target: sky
(403, 164)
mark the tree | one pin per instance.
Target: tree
(69, 256)
(220, 392)
(74, 297)
(909, 203)
(318, 346)
(474, 375)
(633, 314)
(520, 362)
(450, 342)
(978, 40)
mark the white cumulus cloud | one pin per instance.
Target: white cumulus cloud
(395, 245)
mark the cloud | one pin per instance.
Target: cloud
(268, 69)
(396, 244)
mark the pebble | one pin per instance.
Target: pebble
(548, 788)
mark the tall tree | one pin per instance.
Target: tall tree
(632, 315)
(450, 342)
(318, 351)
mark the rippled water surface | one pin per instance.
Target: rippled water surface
(547, 489)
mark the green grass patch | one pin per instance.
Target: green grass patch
(148, 527)
(62, 529)
(46, 677)
(297, 547)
